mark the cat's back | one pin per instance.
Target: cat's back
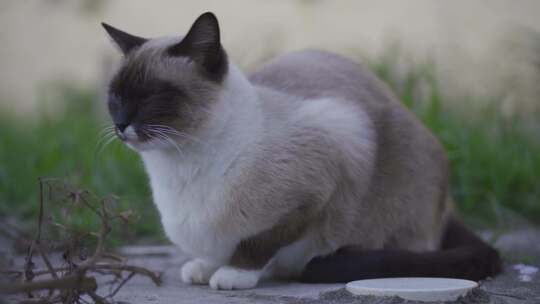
(418, 163)
(312, 74)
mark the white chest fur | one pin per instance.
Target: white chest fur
(189, 195)
(189, 188)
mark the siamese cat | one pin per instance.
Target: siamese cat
(306, 169)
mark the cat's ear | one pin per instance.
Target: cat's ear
(125, 42)
(202, 44)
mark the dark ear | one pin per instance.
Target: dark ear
(202, 44)
(126, 42)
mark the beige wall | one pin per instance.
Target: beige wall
(479, 46)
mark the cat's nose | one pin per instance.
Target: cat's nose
(121, 126)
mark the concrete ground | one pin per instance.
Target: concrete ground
(517, 285)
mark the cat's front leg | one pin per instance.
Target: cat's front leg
(245, 267)
(230, 277)
(198, 271)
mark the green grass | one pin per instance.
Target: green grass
(66, 147)
(495, 159)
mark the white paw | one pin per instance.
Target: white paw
(197, 271)
(228, 278)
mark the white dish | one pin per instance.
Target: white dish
(417, 289)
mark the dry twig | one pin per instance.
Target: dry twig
(71, 282)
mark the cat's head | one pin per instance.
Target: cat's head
(165, 88)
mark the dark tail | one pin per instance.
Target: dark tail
(463, 255)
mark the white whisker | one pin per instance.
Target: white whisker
(105, 144)
(106, 129)
(170, 141)
(172, 131)
(104, 138)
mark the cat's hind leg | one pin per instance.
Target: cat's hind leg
(268, 254)
(250, 260)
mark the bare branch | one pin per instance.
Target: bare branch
(156, 278)
(71, 280)
(46, 260)
(84, 284)
(112, 294)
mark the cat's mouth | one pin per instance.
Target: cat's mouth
(146, 137)
(127, 133)
(131, 138)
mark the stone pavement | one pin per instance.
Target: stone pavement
(517, 285)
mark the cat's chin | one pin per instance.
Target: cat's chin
(147, 146)
(142, 146)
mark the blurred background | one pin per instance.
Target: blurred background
(469, 69)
